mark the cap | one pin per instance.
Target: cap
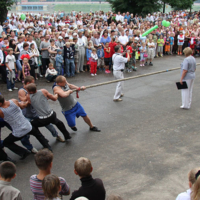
(74, 34)
(66, 35)
(60, 37)
(59, 50)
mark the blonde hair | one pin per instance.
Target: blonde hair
(94, 49)
(83, 166)
(191, 175)
(187, 51)
(195, 194)
(114, 197)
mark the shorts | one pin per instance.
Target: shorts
(106, 61)
(100, 62)
(180, 43)
(76, 111)
(151, 53)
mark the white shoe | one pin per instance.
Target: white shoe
(41, 75)
(9, 90)
(184, 107)
(34, 150)
(15, 88)
(92, 74)
(95, 74)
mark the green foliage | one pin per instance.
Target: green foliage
(181, 4)
(5, 5)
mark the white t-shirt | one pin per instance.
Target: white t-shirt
(184, 195)
(118, 61)
(123, 39)
(11, 61)
(151, 44)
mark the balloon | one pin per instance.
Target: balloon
(168, 24)
(23, 17)
(165, 23)
(150, 30)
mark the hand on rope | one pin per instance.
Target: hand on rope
(77, 90)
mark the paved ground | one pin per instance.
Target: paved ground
(147, 144)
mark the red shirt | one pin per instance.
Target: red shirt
(130, 49)
(67, 21)
(112, 48)
(106, 54)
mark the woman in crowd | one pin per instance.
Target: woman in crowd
(52, 51)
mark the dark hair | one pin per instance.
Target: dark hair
(52, 40)
(2, 100)
(11, 45)
(28, 79)
(25, 45)
(31, 87)
(32, 44)
(7, 170)
(117, 48)
(43, 159)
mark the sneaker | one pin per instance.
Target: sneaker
(41, 75)
(60, 139)
(108, 71)
(94, 128)
(151, 64)
(145, 64)
(25, 155)
(36, 78)
(9, 90)
(48, 81)
(134, 68)
(82, 71)
(74, 128)
(95, 74)
(161, 55)
(15, 88)
(100, 69)
(117, 100)
(92, 74)
(122, 95)
(140, 65)
(34, 150)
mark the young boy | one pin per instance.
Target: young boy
(44, 162)
(7, 173)
(51, 73)
(107, 58)
(151, 50)
(92, 189)
(100, 54)
(93, 66)
(59, 61)
(11, 69)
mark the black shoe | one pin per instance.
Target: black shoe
(68, 138)
(94, 128)
(25, 155)
(151, 64)
(50, 149)
(10, 159)
(74, 128)
(146, 64)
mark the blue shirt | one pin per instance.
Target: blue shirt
(105, 40)
(127, 17)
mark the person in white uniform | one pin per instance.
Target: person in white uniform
(188, 68)
(118, 68)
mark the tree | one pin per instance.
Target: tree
(4, 7)
(181, 4)
(142, 7)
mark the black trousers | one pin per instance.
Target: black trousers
(9, 142)
(3, 73)
(3, 155)
(32, 72)
(45, 64)
(54, 120)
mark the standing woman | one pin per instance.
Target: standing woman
(105, 38)
(34, 53)
(52, 51)
(188, 68)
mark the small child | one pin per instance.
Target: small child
(192, 43)
(160, 43)
(59, 61)
(151, 50)
(91, 188)
(7, 173)
(51, 73)
(181, 39)
(100, 54)
(107, 57)
(134, 49)
(25, 66)
(88, 56)
(51, 187)
(11, 69)
(171, 41)
(129, 63)
(167, 45)
(94, 58)
(143, 51)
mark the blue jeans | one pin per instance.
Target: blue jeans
(69, 67)
(51, 77)
(59, 70)
(19, 66)
(10, 85)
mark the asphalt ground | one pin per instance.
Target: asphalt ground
(147, 144)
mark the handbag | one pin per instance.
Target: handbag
(145, 55)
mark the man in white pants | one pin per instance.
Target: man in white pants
(118, 68)
(81, 53)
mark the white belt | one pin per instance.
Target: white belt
(44, 117)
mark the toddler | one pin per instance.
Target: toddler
(59, 61)
(143, 52)
(51, 73)
(100, 54)
(94, 58)
(25, 66)
(107, 57)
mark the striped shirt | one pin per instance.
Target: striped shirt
(36, 187)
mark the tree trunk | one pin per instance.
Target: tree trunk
(163, 7)
(4, 12)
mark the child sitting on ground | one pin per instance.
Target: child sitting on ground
(51, 73)
(100, 54)
(51, 187)
(59, 62)
(92, 189)
(44, 162)
(7, 173)
(94, 58)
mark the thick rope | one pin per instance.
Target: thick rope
(129, 78)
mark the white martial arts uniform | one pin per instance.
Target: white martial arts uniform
(118, 67)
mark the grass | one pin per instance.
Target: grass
(82, 7)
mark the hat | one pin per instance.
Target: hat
(74, 34)
(60, 37)
(66, 35)
(3, 46)
(59, 50)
